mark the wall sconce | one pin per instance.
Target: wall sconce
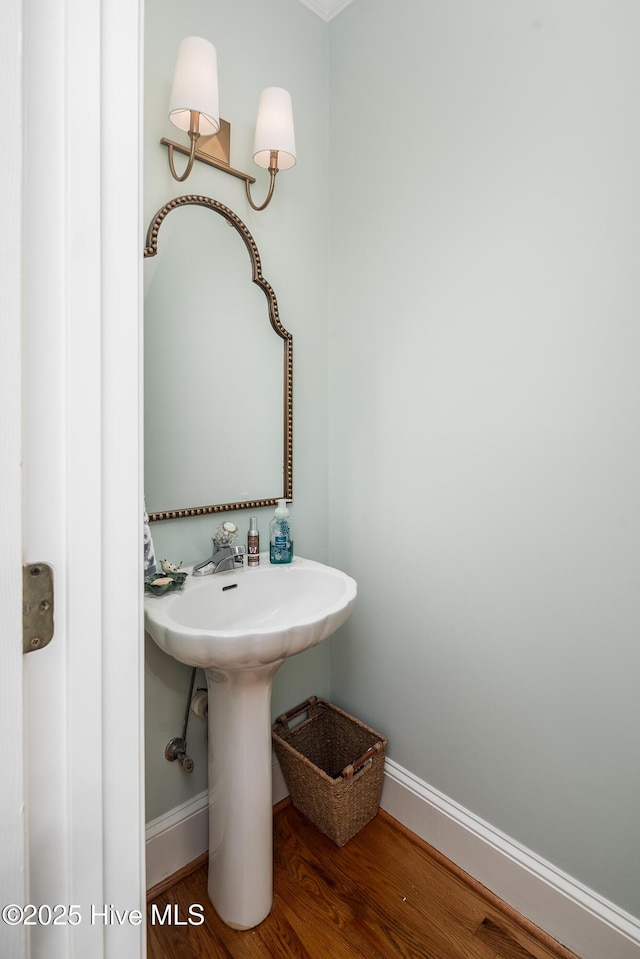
(193, 107)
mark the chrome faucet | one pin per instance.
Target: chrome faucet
(224, 558)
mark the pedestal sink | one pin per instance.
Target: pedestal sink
(240, 626)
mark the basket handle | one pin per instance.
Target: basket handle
(286, 718)
(348, 771)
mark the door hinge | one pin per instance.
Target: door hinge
(37, 606)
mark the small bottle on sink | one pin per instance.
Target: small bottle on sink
(253, 543)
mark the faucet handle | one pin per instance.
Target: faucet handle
(225, 535)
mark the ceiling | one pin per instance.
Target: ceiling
(326, 9)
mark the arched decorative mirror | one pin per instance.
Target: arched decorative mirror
(218, 367)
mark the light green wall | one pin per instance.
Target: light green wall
(484, 373)
(481, 373)
(276, 44)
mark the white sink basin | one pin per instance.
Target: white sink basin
(240, 626)
(251, 616)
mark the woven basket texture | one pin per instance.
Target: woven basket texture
(313, 755)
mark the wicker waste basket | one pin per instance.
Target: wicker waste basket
(333, 767)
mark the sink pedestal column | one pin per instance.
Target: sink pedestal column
(240, 794)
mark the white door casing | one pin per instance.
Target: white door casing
(82, 242)
(12, 864)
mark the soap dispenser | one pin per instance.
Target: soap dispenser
(280, 540)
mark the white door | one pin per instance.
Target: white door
(77, 222)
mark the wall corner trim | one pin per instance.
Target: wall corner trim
(568, 911)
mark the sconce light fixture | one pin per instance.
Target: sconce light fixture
(193, 107)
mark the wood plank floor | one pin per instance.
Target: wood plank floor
(385, 894)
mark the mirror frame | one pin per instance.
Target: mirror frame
(151, 249)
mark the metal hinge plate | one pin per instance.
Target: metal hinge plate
(37, 606)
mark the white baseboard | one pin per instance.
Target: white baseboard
(571, 913)
(177, 838)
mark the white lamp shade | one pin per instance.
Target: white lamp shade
(274, 129)
(195, 86)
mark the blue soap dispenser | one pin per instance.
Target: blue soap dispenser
(280, 540)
